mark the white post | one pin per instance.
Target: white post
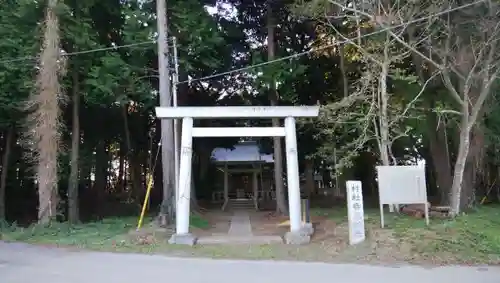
(255, 189)
(226, 187)
(292, 166)
(182, 221)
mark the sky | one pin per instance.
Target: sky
(223, 9)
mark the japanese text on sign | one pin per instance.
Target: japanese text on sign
(355, 212)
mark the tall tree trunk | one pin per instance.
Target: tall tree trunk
(85, 176)
(194, 198)
(121, 168)
(73, 209)
(384, 144)
(101, 168)
(45, 118)
(167, 140)
(309, 170)
(278, 156)
(5, 170)
(345, 81)
(204, 155)
(460, 163)
(134, 164)
(441, 163)
(438, 140)
(473, 169)
(135, 177)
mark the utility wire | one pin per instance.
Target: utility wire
(293, 56)
(82, 51)
(296, 55)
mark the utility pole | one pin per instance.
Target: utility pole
(175, 81)
(165, 101)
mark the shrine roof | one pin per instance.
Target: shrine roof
(243, 152)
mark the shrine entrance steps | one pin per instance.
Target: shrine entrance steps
(240, 232)
(240, 204)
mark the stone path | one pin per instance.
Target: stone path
(240, 232)
(240, 224)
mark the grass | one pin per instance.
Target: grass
(93, 234)
(199, 222)
(475, 235)
(470, 238)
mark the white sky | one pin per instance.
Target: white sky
(223, 9)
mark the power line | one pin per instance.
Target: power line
(108, 48)
(296, 55)
(25, 58)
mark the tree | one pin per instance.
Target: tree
(44, 121)
(19, 20)
(274, 98)
(470, 67)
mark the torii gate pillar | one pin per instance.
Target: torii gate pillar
(298, 234)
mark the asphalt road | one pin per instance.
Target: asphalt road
(21, 263)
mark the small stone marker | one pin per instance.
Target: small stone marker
(355, 212)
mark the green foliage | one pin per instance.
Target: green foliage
(282, 74)
(19, 33)
(65, 234)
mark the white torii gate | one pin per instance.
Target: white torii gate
(187, 114)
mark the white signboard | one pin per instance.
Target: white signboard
(402, 185)
(355, 212)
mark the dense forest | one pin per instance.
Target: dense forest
(399, 82)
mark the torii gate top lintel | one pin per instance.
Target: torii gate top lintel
(255, 112)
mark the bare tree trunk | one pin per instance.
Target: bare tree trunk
(345, 81)
(5, 169)
(311, 187)
(383, 112)
(383, 119)
(474, 168)
(440, 156)
(73, 210)
(167, 133)
(101, 169)
(135, 177)
(204, 155)
(193, 199)
(463, 151)
(436, 130)
(132, 156)
(278, 156)
(121, 168)
(44, 130)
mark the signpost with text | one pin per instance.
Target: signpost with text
(355, 212)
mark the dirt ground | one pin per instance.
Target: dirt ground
(218, 221)
(266, 223)
(403, 240)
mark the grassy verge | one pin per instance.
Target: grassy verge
(94, 234)
(471, 238)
